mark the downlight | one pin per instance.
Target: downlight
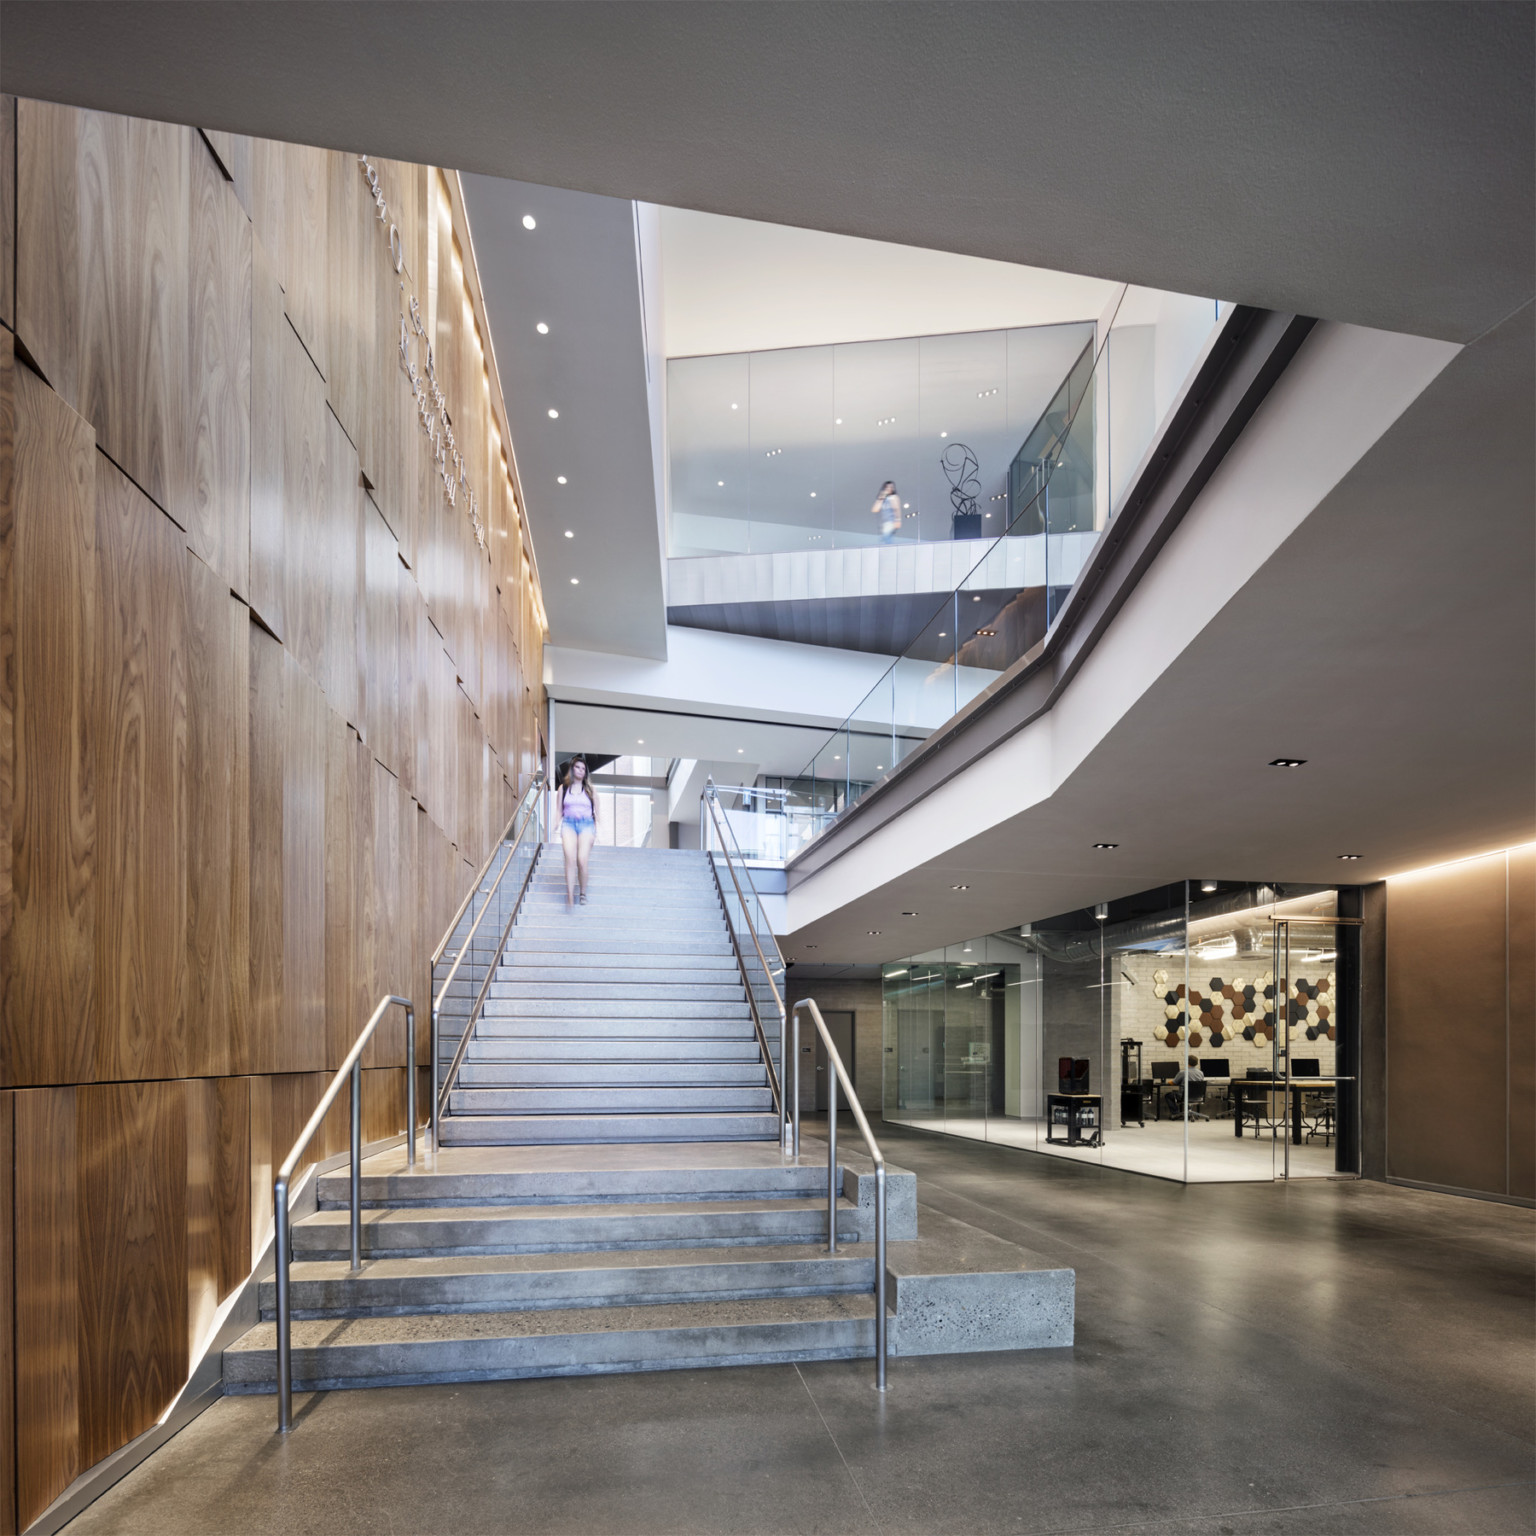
(1287, 762)
(529, 222)
(1105, 847)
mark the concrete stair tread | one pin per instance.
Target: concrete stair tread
(395, 1216)
(332, 1333)
(857, 1258)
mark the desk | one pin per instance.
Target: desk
(1257, 1087)
(1074, 1103)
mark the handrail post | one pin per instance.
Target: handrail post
(410, 1087)
(831, 1161)
(786, 1143)
(880, 1318)
(794, 1146)
(280, 1241)
(435, 1046)
(355, 1220)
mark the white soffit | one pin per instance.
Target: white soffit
(738, 285)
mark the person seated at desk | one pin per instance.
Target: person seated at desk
(1188, 1083)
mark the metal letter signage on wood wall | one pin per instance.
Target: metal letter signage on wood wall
(431, 407)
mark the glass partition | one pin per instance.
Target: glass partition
(1146, 1039)
(1040, 517)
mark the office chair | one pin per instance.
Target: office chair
(1195, 1094)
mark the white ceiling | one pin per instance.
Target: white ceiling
(738, 285)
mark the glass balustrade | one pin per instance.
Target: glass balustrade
(1064, 485)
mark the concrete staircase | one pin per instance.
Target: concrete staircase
(623, 1020)
(611, 1196)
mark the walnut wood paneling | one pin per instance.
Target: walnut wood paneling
(7, 1312)
(233, 1160)
(1447, 1070)
(382, 615)
(306, 543)
(349, 916)
(49, 628)
(352, 267)
(218, 639)
(1522, 1023)
(269, 666)
(7, 675)
(343, 665)
(305, 719)
(46, 1258)
(200, 1109)
(306, 196)
(262, 1164)
(140, 733)
(232, 151)
(218, 425)
(272, 340)
(132, 1141)
(8, 212)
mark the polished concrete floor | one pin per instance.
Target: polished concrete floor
(1309, 1358)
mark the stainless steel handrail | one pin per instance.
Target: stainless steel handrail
(480, 874)
(774, 1084)
(440, 1094)
(282, 1234)
(723, 829)
(839, 1074)
(527, 808)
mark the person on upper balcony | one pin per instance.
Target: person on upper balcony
(887, 510)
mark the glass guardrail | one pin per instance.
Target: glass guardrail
(1065, 485)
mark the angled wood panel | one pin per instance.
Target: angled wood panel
(200, 1110)
(233, 1158)
(382, 616)
(232, 151)
(218, 638)
(7, 1313)
(47, 1298)
(218, 427)
(341, 576)
(267, 732)
(50, 630)
(305, 718)
(348, 905)
(140, 731)
(271, 340)
(8, 210)
(132, 1140)
(262, 1163)
(306, 195)
(306, 545)
(48, 316)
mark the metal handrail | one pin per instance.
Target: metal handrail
(480, 874)
(527, 808)
(440, 1094)
(282, 1234)
(839, 1074)
(722, 828)
(775, 1086)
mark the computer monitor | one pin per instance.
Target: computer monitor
(1215, 1066)
(1307, 1066)
(1163, 1071)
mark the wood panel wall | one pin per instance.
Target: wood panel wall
(1461, 1026)
(266, 699)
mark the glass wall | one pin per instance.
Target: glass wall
(788, 450)
(1147, 1038)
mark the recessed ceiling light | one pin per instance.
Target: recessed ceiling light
(987, 632)
(813, 946)
(879, 767)
(943, 434)
(943, 634)
(1105, 847)
(909, 914)
(559, 479)
(1351, 855)
(836, 758)
(529, 222)
(976, 598)
(906, 506)
(720, 482)
(734, 406)
(1287, 762)
(959, 887)
(554, 415)
(1207, 886)
(640, 742)
(569, 534)
(542, 329)
(740, 750)
(813, 495)
(575, 581)
(874, 933)
(838, 422)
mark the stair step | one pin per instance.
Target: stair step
(610, 1227)
(494, 1346)
(607, 1101)
(665, 1073)
(615, 1050)
(536, 1281)
(571, 1009)
(566, 1130)
(585, 991)
(647, 959)
(721, 974)
(680, 946)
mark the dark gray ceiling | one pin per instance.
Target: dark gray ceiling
(1371, 163)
